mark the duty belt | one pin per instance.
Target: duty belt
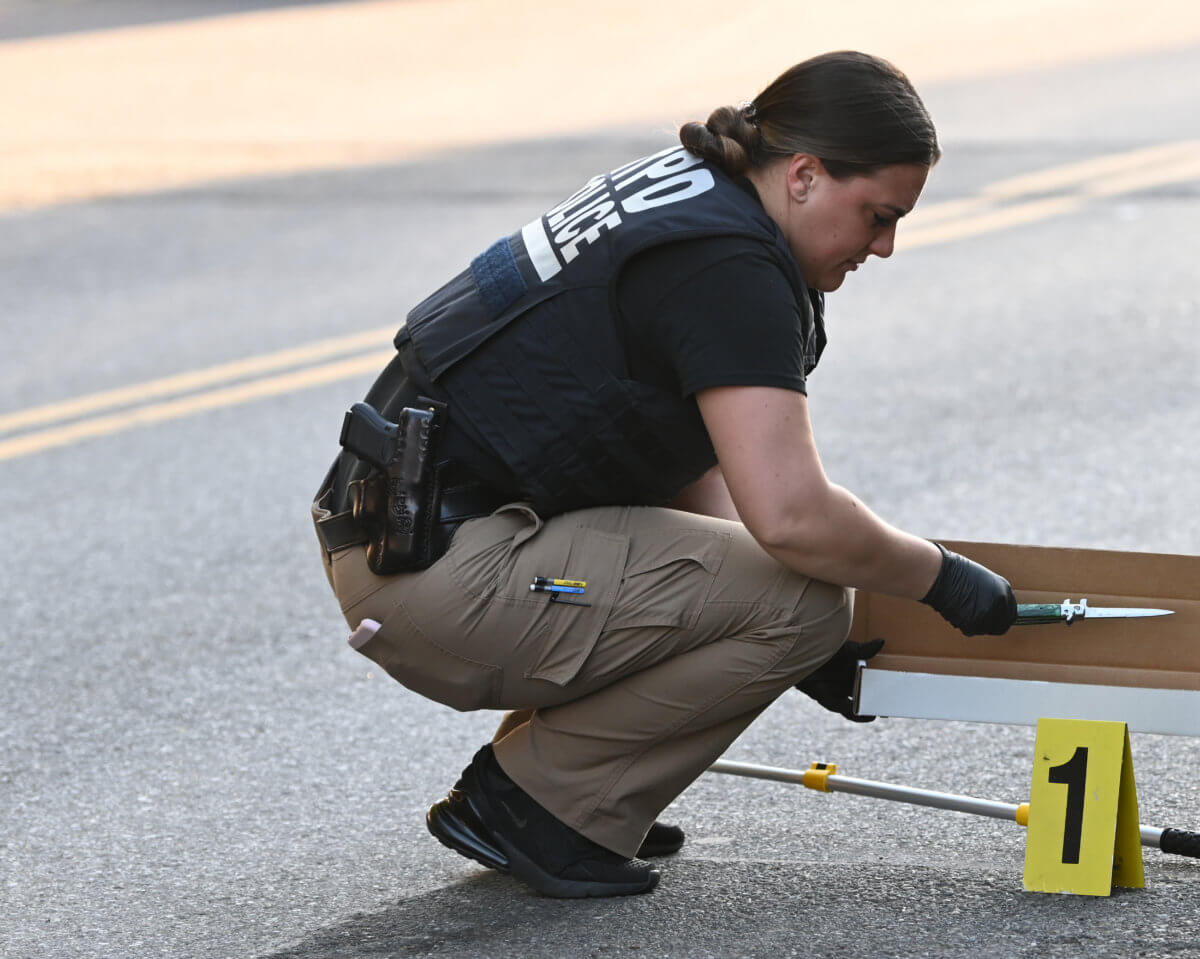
(463, 497)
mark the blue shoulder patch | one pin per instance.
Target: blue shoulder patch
(498, 277)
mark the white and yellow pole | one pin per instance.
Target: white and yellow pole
(824, 777)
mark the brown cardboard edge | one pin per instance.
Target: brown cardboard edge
(1151, 653)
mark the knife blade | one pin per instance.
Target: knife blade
(1035, 614)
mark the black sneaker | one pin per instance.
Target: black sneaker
(531, 843)
(661, 840)
(455, 825)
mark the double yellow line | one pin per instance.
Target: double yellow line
(1017, 201)
(189, 393)
(1043, 194)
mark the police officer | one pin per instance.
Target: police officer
(596, 500)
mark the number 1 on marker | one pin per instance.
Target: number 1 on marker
(1073, 774)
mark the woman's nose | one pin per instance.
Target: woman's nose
(885, 242)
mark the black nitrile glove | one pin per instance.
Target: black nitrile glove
(832, 685)
(971, 597)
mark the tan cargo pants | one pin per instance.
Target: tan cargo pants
(690, 631)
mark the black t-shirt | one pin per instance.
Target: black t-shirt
(715, 311)
(700, 313)
(691, 315)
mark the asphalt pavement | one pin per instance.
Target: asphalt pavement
(194, 764)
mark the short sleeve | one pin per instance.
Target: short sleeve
(714, 312)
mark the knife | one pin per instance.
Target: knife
(1035, 614)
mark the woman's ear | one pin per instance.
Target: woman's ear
(802, 172)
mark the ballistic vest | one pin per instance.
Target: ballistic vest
(525, 348)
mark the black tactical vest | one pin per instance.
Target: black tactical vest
(525, 348)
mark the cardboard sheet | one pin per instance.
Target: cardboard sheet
(1159, 653)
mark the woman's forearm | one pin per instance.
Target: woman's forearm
(769, 462)
(840, 540)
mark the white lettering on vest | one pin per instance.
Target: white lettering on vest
(679, 159)
(596, 212)
(666, 177)
(563, 210)
(571, 250)
(576, 215)
(641, 162)
(669, 191)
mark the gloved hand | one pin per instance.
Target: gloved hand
(971, 597)
(832, 685)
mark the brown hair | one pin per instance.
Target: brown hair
(854, 112)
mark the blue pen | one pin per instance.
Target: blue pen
(539, 588)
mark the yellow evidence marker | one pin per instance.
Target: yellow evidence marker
(1083, 834)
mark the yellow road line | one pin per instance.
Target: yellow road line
(924, 216)
(188, 405)
(1002, 205)
(194, 379)
(988, 221)
(1014, 202)
(1087, 171)
(1183, 170)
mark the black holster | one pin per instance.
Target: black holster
(397, 503)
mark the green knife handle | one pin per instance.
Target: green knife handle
(1034, 614)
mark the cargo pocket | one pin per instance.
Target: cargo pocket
(479, 558)
(419, 664)
(668, 578)
(563, 632)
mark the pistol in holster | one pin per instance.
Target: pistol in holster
(397, 503)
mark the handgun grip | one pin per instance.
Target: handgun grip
(369, 436)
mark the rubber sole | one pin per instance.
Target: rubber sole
(453, 832)
(537, 878)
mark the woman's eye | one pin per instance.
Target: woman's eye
(882, 220)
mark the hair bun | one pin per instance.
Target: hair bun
(728, 139)
(856, 112)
